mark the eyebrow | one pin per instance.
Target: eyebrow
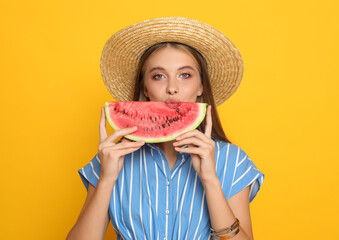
(160, 68)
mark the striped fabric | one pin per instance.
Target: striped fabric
(151, 202)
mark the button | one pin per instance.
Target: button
(167, 183)
(165, 238)
(167, 211)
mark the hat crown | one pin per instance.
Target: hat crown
(122, 51)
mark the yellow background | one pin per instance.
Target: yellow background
(284, 115)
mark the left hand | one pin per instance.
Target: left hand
(202, 149)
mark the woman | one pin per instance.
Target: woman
(196, 187)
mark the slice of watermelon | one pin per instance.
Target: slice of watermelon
(156, 121)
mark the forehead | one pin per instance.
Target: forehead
(171, 55)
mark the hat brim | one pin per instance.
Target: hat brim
(121, 54)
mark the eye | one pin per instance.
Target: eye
(157, 76)
(185, 75)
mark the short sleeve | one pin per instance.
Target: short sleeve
(91, 172)
(246, 174)
(236, 171)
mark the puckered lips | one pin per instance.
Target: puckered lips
(172, 103)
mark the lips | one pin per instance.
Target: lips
(172, 103)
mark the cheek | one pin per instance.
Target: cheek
(153, 89)
(147, 86)
(192, 88)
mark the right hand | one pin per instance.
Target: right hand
(112, 154)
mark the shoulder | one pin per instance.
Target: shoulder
(236, 170)
(90, 173)
(227, 157)
(229, 150)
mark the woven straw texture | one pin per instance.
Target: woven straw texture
(121, 53)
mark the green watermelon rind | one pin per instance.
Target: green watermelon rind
(115, 127)
(200, 118)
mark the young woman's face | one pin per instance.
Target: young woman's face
(172, 74)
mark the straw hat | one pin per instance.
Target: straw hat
(121, 54)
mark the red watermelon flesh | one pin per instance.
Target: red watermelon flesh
(156, 121)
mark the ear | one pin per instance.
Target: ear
(200, 90)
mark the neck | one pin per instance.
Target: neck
(167, 148)
(169, 151)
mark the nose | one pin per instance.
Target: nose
(172, 87)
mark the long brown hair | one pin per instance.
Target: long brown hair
(206, 97)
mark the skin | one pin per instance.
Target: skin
(169, 74)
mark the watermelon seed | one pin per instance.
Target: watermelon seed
(180, 113)
(177, 109)
(168, 124)
(171, 120)
(163, 125)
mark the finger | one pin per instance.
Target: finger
(192, 140)
(120, 151)
(120, 133)
(208, 126)
(125, 145)
(192, 150)
(125, 151)
(123, 140)
(194, 133)
(102, 126)
(120, 140)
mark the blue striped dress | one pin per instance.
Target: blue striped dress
(150, 201)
